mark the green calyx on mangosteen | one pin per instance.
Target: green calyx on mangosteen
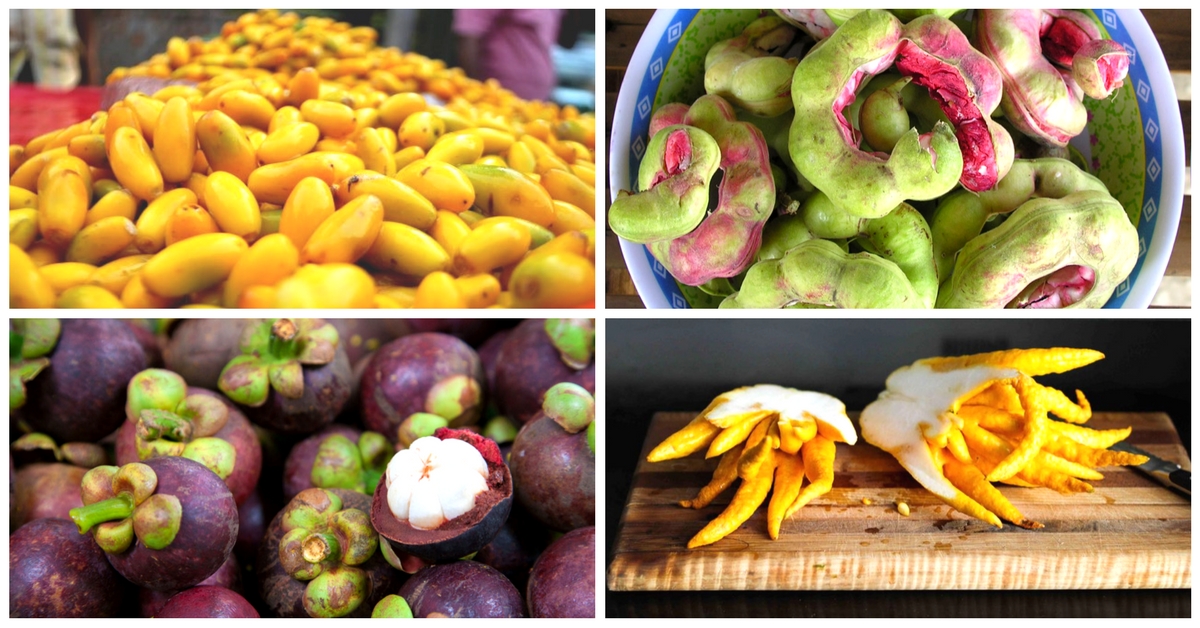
(121, 504)
(29, 342)
(444, 497)
(538, 354)
(324, 544)
(37, 447)
(392, 606)
(575, 339)
(170, 422)
(429, 373)
(500, 429)
(292, 376)
(418, 425)
(342, 463)
(553, 460)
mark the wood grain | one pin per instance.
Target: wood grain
(1130, 533)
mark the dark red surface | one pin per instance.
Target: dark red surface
(34, 111)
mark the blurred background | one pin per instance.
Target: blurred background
(63, 48)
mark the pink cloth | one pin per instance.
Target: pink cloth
(514, 46)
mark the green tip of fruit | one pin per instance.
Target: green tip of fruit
(458, 399)
(500, 429)
(392, 606)
(419, 425)
(338, 464)
(574, 338)
(570, 405)
(336, 592)
(34, 337)
(217, 455)
(156, 521)
(245, 381)
(591, 437)
(154, 389)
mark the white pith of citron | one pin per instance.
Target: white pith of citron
(434, 481)
(791, 404)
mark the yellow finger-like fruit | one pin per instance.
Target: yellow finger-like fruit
(538, 235)
(88, 297)
(406, 156)
(288, 142)
(114, 275)
(438, 290)
(347, 234)
(398, 107)
(304, 85)
(284, 116)
(153, 221)
(401, 203)
(334, 286)
(135, 295)
(370, 147)
(566, 187)
(133, 164)
(233, 205)
(193, 264)
(460, 147)
(23, 226)
(333, 118)
(271, 260)
(175, 141)
(20, 198)
(225, 145)
(273, 183)
(444, 185)
(189, 221)
(420, 129)
(247, 108)
(491, 246)
(89, 148)
(479, 290)
(26, 286)
(27, 174)
(558, 279)
(449, 230)
(506, 192)
(62, 206)
(310, 203)
(495, 142)
(402, 249)
(65, 275)
(568, 217)
(116, 203)
(147, 111)
(102, 240)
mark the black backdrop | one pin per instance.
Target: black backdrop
(681, 364)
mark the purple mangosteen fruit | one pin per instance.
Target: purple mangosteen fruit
(539, 354)
(199, 349)
(321, 558)
(252, 526)
(229, 576)
(443, 498)
(429, 373)
(297, 469)
(462, 588)
(516, 547)
(53, 571)
(146, 332)
(208, 602)
(79, 395)
(563, 581)
(47, 482)
(489, 354)
(337, 457)
(166, 523)
(361, 336)
(292, 376)
(553, 460)
(166, 417)
(472, 331)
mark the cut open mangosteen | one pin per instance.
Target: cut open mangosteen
(441, 500)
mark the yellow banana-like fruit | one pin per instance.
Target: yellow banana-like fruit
(400, 202)
(27, 174)
(347, 234)
(133, 164)
(495, 142)
(233, 205)
(247, 108)
(406, 156)
(152, 223)
(304, 85)
(568, 217)
(491, 246)
(402, 249)
(558, 279)
(449, 230)
(193, 264)
(586, 173)
(114, 275)
(369, 147)
(116, 203)
(102, 240)
(460, 147)
(209, 101)
(175, 141)
(65, 275)
(507, 192)
(135, 295)
(421, 129)
(27, 288)
(538, 235)
(288, 142)
(225, 145)
(333, 118)
(478, 290)
(285, 116)
(566, 187)
(88, 297)
(147, 111)
(545, 159)
(62, 205)
(310, 203)
(273, 183)
(438, 290)
(444, 185)
(398, 107)
(269, 261)
(89, 148)
(189, 221)
(20, 198)
(334, 286)
(23, 226)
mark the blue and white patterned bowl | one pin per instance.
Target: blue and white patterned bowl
(668, 66)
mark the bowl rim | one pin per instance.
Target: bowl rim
(1147, 273)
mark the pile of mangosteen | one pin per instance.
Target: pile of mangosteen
(302, 468)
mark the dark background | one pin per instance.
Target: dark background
(681, 364)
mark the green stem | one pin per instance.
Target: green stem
(114, 509)
(284, 343)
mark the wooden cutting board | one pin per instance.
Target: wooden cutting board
(1130, 533)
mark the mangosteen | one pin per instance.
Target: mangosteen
(252, 526)
(392, 606)
(199, 349)
(80, 394)
(489, 354)
(361, 336)
(53, 571)
(563, 581)
(516, 547)
(539, 354)
(147, 333)
(208, 602)
(321, 558)
(229, 576)
(432, 373)
(166, 523)
(292, 376)
(462, 588)
(443, 498)
(168, 418)
(29, 342)
(48, 485)
(337, 457)
(472, 331)
(553, 460)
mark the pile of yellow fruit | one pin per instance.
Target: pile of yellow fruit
(300, 166)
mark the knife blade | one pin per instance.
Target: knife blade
(1165, 471)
